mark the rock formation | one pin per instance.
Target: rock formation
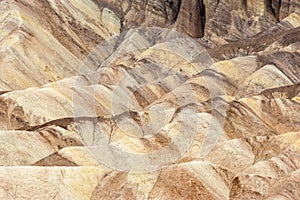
(135, 99)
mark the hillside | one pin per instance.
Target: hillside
(149, 99)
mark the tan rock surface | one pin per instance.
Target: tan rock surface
(208, 112)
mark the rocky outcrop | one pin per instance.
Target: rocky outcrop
(142, 13)
(191, 18)
(243, 19)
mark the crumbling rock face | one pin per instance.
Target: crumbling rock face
(282, 8)
(143, 13)
(208, 112)
(191, 18)
(244, 18)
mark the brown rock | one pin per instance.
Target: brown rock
(191, 18)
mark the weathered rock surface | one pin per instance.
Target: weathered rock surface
(208, 112)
